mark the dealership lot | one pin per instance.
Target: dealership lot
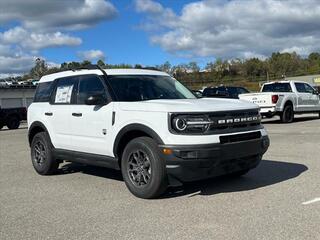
(277, 200)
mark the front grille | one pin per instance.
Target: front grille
(234, 120)
(240, 137)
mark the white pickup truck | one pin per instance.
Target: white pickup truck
(285, 98)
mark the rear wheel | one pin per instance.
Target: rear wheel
(287, 115)
(142, 169)
(13, 122)
(42, 157)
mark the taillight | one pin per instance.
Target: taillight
(275, 98)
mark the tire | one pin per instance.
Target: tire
(143, 170)
(13, 122)
(42, 157)
(287, 115)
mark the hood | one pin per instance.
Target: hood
(188, 105)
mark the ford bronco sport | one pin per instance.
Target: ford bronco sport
(145, 123)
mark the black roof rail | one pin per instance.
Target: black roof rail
(88, 67)
(97, 67)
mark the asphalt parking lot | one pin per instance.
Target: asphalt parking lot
(277, 200)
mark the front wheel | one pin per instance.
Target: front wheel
(142, 168)
(287, 115)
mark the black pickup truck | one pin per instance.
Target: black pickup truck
(12, 117)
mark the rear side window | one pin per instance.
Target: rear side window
(242, 91)
(65, 90)
(90, 85)
(232, 91)
(209, 92)
(43, 92)
(277, 87)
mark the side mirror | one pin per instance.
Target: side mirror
(96, 100)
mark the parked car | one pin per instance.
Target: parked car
(285, 98)
(35, 82)
(197, 93)
(5, 83)
(11, 117)
(144, 123)
(224, 92)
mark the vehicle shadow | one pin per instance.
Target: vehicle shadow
(299, 119)
(69, 168)
(267, 173)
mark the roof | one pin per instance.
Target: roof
(283, 81)
(51, 77)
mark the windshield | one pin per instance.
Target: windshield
(277, 87)
(147, 87)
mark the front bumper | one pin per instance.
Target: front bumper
(195, 162)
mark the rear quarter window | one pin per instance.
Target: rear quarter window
(43, 92)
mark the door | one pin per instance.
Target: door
(91, 124)
(60, 112)
(314, 104)
(303, 97)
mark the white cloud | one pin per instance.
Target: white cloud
(71, 14)
(35, 41)
(235, 28)
(15, 64)
(41, 24)
(91, 55)
(148, 6)
(19, 46)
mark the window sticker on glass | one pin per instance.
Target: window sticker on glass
(63, 94)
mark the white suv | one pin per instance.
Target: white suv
(145, 123)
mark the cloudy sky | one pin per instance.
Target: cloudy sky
(150, 32)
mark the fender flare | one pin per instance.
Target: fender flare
(33, 126)
(135, 127)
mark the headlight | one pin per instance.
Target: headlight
(190, 123)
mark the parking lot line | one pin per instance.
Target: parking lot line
(311, 201)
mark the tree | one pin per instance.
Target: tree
(39, 69)
(166, 67)
(85, 63)
(193, 66)
(101, 63)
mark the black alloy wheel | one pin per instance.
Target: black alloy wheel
(139, 168)
(42, 156)
(143, 169)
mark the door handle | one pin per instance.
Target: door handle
(77, 114)
(48, 113)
